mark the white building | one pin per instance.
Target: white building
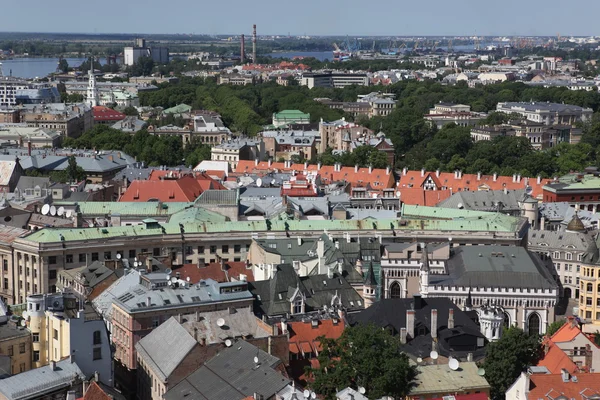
(547, 113)
(473, 276)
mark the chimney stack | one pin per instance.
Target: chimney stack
(451, 318)
(410, 323)
(403, 335)
(254, 44)
(148, 301)
(29, 147)
(434, 322)
(242, 48)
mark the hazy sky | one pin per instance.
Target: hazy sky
(311, 17)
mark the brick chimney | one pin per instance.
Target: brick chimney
(451, 318)
(410, 323)
(434, 322)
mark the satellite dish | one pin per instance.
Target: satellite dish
(313, 395)
(362, 390)
(453, 364)
(255, 360)
(168, 271)
(187, 279)
(169, 283)
(23, 322)
(45, 209)
(220, 322)
(398, 193)
(460, 206)
(68, 214)
(119, 256)
(52, 210)
(228, 343)
(306, 394)
(173, 279)
(258, 182)
(481, 372)
(434, 355)
(25, 315)
(60, 211)
(135, 264)
(419, 360)
(134, 258)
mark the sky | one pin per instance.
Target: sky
(307, 17)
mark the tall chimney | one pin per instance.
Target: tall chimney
(451, 318)
(434, 322)
(242, 48)
(254, 44)
(29, 147)
(410, 323)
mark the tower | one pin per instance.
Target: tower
(424, 271)
(254, 44)
(370, 288)
(92, 90)
(469, 302)
(529, 210)
(491, 318)
(242, 48)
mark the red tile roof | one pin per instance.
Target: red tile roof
(102, 113)
(94, 392)
(551, 386)
(186, 188)
(418, 196)
(472, 396)
(567, 332)
(215, 272)
(304, 335)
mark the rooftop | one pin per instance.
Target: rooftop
(439, 378)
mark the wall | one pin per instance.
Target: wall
(82, 346)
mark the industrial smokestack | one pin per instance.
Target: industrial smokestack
(242, 49)
(254, 43)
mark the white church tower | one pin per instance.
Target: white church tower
(424, 271)
(491, 319)
(92, 90)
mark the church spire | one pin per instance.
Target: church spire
(92, 90)
(424, 258)
(469, 301)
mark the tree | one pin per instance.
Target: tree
(73, 172)
(366, 356)
(555, 326)
(130, 110)
(508, 357)
(142, 67)
(63, 66)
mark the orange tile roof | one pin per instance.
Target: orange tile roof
(186, 188)
(556, 360)
(214, 271)
(94, 392)
(102, 113)
(303, 333)
(544, 386)
(418, 196)
(567, 332)
(471, 182)
(378, 179)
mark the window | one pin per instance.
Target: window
(237, 248)
(213, 249)
(395, 292)
(52, 260)
(97, 353)
(36, 356)
(534, 324)
(156, 251)
(94, 256)
(35, 337)
(5, 265)
(21, 348)
(55, 334)
(97, 337)
(10, 350)
(590, 287)
(69, 258)
(52, 274)
(200, 249)
(131, 253)
(5, 283)
(298, 306)
(556, 254)
(155, 322)
(107, 255)
(82, 258)
(588, 301)
(225, 248)
(569, 256)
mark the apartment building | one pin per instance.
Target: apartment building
(333, 79)
(446, 113)
(540, 136)
(15, 91)
(15, 343)
(157, 297)
(235, 79)
(547, 113)
(580, 190)
(288, 117)
(339, 134)
(71, 120)
(235, 150)
(61, 327)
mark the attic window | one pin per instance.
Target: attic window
(272, 245)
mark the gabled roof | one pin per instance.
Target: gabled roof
(186, 188)
(165, 347)
(567, 332)
(228, 272)
(544, 386)
(95, 392)
(556, 360)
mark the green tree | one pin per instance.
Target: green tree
(555, 326)
(508, 357)
(63, 66)
(73, 172)
(130, 110)
(366, 356)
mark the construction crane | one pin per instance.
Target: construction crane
(435, 45)
(416, 45)
(402, 46)
(477, 44)
(336, 47)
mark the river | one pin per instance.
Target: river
(36, 67)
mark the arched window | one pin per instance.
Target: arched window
(506, 322)
(534, 324)
(395, 292)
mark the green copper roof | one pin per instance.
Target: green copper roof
(178, 109)
(145, 209)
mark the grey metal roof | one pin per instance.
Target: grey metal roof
(563, 212)
(123, 285)
(218, 197)
(495, 266)
(34, 383)
(165, 347)
(30, 182)
(167, 297)
(541, 106)
(563, 241)
(484, 200)
(232, 374)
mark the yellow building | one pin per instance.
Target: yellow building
(60, 329)
(15, 343)
(589, 297)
